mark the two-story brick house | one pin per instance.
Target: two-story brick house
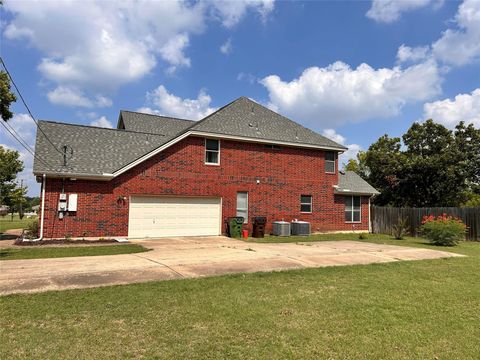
(157, 176)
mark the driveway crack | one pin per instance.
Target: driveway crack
(159, 263)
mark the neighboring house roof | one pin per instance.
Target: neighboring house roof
(153, 124)
(105, 153)
(349, 182)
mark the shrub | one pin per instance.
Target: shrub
(362, 236)
(400, 229)
(443, 230)
(31, 231)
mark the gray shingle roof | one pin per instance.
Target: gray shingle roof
(153, 124)
(349, 182)
(95, 150)
(244, 117)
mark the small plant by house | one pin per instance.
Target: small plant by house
(443, 230)
(31, 231)
(400, 229)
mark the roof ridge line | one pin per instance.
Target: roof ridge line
(98, 127)
(162, 116)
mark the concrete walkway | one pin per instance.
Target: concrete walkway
(177, 258)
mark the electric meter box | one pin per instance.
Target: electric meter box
(72, 202)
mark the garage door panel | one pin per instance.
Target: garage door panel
(152, 216)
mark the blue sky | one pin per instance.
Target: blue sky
(350, 70)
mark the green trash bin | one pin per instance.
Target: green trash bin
(235, 226)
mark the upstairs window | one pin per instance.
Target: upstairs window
(212, 151)
(330, 162)
(353, 209)
(306, 203)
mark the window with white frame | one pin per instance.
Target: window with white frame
(306, 203)
(330, 162)
(242, 205)
(353, 209)
(212, 151)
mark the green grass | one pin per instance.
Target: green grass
(6, 222)
(67, 251)
(406, 310)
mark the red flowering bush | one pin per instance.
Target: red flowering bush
(443, 230)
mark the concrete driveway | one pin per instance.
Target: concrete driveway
(177, 258)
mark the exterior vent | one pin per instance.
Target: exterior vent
(300, 228)
(281, 228)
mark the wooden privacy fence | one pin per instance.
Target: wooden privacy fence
(384, 218)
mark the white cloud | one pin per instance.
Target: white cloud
(332, 135)
(231, 13)
(102, 122)
(247, 77)
(173, 52)
(123, 40)
(339, 94)
(406, 53)
(465, 107)
(73, 97)
(352, 151)
(388, 11)
(462, 45)
(226, 47)
(171, 105)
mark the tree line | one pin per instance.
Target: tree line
(429, 166)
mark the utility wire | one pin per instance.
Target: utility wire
(26, 146)
(31, 151)
(26, 106)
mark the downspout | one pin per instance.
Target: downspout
(369, 217)
(44, 181)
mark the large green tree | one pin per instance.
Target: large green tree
(6, 96)
(429, 166)
(10, 166)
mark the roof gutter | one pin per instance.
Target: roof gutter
(86, 176)
(267, 141)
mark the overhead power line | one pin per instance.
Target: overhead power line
(26, 106)
(25, 145)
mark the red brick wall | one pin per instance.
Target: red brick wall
(180, 170)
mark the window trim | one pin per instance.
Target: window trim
(205, 154)
(352, 211)
(334, 162)
(245, 221)
(310, 203)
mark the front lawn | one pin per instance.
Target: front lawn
(6, 222)
(68, 251)
(406, 310)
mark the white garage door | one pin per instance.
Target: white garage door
(153, 216)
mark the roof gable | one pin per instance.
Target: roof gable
(246, 118)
